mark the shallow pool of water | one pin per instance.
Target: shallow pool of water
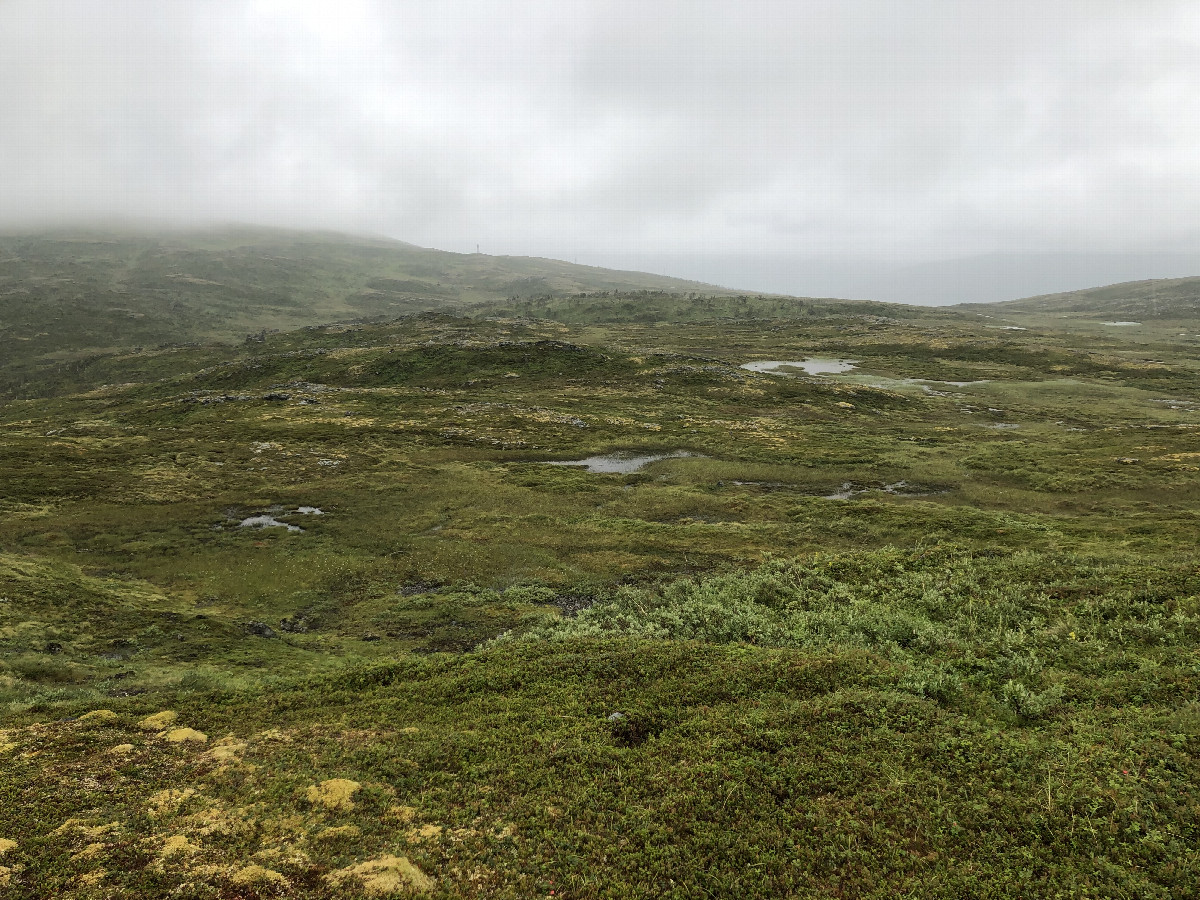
(897, 489)
(812, 365)
(620, 463)
(267, 522)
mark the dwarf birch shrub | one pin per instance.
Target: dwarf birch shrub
(1008, 625)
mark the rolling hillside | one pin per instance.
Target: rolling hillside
(1159, 299)
(451, 606)
(69, 293)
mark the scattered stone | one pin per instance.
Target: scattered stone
(121, 749)
(276, 396)
(336, 793)
(182, 735)
(294, 625)
(384, 875)
(158, 721)
(259, 629)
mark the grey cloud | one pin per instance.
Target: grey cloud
(925, 127)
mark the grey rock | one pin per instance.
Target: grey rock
(296, 625)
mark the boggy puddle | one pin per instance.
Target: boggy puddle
(621, 462)
(896, 489)
(812, 365)
(267, 519)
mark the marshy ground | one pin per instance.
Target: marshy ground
(929, 626)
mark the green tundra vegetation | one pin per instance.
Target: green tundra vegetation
(313, 614)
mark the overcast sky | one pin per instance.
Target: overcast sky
(913, 128)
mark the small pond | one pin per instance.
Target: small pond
(812, 365)
(621, 463)
(898, 489)
(265, 521)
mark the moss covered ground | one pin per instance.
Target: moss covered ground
(929, 628)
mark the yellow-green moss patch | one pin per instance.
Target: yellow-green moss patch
(336, 793)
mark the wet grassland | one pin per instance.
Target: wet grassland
(314, 616)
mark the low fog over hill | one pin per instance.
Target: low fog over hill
(984, 278)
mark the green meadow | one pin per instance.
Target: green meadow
(311, 614)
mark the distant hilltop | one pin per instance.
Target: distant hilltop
(1154, 299)
(85, 290)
